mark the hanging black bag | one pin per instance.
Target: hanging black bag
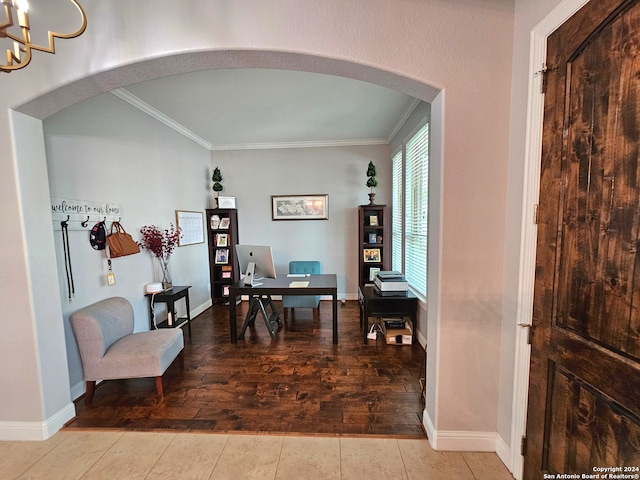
(98, 236)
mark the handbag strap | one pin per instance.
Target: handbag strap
(119, 227)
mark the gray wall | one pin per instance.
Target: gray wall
(105, 150)
(252, 176)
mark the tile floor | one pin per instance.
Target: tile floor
(111, 455)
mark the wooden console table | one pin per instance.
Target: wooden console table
(373, 305)
(170, 297)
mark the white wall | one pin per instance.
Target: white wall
(528, 15)
(252, 176)
(105, 150)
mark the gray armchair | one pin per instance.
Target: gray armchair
(302, 301)
(110, 350)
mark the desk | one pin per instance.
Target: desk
(373, 305)
(321, 284)
(170, 297)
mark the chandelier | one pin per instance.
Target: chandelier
(20, 56)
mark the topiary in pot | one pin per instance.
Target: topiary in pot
(371, 181)
(217, 178)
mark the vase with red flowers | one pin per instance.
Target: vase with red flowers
(161, 243)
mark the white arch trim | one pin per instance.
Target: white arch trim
(152, 68)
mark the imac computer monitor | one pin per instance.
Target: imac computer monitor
(261, 256)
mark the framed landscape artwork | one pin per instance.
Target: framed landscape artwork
(299, 207)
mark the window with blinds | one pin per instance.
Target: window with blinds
(397, 227)
(410, 195)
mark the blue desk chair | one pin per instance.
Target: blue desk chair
(302, 301)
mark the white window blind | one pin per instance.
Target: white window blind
(416, 207)
(396, 213)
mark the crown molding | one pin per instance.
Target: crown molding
(403, 118)
(310, 144)
(144, 107)
(158, 115)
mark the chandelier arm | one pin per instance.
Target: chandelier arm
(20, 62)
(15, 38)
(53, 35)
(15, 60)
(9, 16)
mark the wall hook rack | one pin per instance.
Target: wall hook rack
(79, 213)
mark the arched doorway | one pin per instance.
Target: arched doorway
(44, 106)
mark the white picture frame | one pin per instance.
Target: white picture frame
(226, 202)
(222, 256)
(191, 226)
(373, 271)
(300, 207)
(222, 239)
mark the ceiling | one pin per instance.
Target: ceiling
(228, 109)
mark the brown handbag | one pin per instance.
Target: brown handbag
(120, 242)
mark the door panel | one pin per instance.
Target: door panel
(584, 396)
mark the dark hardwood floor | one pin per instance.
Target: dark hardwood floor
(297, 383)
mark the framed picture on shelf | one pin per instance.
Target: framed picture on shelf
(373, 220)
(224, 223)
(373, 271)
(372, 255)
(215, 222)
(373, 238)
(299, 207)
(226, 202)
(225, 291)
(226, 274)
(222, 256)
(222, 239)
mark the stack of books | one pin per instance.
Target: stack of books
(390, 284)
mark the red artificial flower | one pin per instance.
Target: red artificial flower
(160, 243)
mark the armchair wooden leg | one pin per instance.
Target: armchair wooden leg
(88, 394)
(181, 359)
(159, 386)
(286, 313)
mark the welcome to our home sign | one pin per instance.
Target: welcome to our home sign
(83, 211)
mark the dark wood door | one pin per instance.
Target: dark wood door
(584, 391)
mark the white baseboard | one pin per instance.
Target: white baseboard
(33, 431)
(77, 390)
(458, 441)
(200, 308)
(503, 450)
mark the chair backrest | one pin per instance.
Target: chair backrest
(99, 325)
(304, 266)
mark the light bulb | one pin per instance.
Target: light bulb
(21, 5)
